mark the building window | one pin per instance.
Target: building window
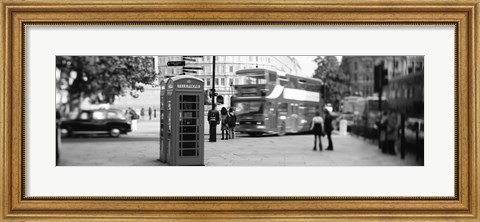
(223, 81)
(231, 68)
(216, 81)
(208, 81)
(418, 66)
(410, 67)
(355, 65)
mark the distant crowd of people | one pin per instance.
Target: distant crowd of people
(131, 114)
(390, 128)
(227, 119)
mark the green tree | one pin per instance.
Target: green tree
(336, 82)
(103, 78)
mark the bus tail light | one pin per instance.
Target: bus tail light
(260, 123)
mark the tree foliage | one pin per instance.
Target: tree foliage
(103, 78)
(335, 80)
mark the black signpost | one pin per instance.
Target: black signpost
(380, 79)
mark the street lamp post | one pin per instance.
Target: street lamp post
(213, 116)
(213, 83)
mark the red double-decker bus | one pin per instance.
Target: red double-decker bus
(271, 102)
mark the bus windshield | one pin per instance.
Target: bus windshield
(248, 107)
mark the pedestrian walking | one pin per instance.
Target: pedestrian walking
(383, 131)
(233, 123)
(317, 129)
(329, 128)
(142, 113)
(392, 132)
(150, 113)
(213, 120)
(128, 114)
(223, 116)
(155, 113)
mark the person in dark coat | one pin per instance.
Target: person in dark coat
(329, 128)
(213, 119)
(225, 117)
(317, 129)
(232, 123)
(150, 113)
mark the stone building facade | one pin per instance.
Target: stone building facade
(226, 66)
(404, 91)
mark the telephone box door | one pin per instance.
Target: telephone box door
(190, 128)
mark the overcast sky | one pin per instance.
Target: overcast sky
(308, 65)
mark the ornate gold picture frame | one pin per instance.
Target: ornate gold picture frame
(16, 15)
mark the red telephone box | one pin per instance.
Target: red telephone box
(183, 133)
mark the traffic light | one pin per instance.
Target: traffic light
(211, 93)
(324, 91)
(380, 77)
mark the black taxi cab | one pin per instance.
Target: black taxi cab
(100, 121)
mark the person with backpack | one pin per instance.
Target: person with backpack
(224, 115)
(232, 123)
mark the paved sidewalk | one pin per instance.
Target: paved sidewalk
(296, 150)
(141, 148)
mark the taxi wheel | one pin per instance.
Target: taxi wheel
(115, 132)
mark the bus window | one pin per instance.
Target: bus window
(293, 83)
(270, 107)
(302, 110)
(272, 77)
(282, 107)
(248, 107)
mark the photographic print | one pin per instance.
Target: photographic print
(259, 110)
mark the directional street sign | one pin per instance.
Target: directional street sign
(188, 59)
(176, 63)
(193, 68)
